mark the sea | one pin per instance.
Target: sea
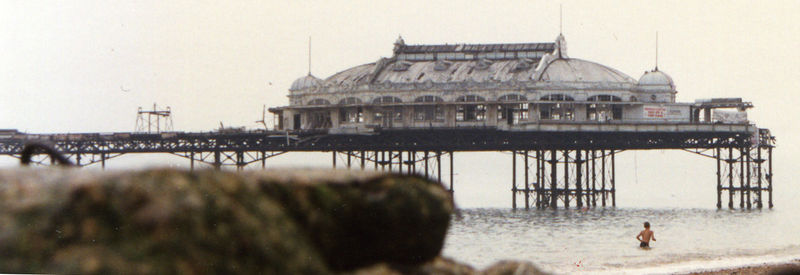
(602, 240)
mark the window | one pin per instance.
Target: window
(428, 112)
(319, 101)
(512, 97)
(557, 111)
(351, 115)
(607, 98)
(512, 113)
(385, 115)
(470, 112)
(350, 101)
(598, 112)
(470, 98)
(318, 120)
(386, 99)
(557, 97)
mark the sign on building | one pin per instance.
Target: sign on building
(667, 113)
(729, 116)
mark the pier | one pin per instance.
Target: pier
(564, 164)
(563, 119)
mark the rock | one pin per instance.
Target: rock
(168, 221)
(512, 268)
(392, 218)
(438, 266)
(442, 265)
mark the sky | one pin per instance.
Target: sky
(86, 66)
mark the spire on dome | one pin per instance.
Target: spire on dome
(561, 46)
(399, 43)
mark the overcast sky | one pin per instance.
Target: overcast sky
(86, 66)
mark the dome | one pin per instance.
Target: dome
(305, 82)
(578, 70)
(656, 78)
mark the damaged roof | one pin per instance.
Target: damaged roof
(474, 63)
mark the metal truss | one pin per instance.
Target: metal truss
(582, 176)
(424, 163)
(568, 167)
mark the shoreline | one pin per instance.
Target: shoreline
(791, 267)
(738, 266)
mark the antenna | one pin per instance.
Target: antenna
(263, 117)
(153, 119)
(560, 18)
(656, 50)
(309, 55)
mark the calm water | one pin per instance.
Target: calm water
(603, 240)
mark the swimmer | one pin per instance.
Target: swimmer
(645, 236)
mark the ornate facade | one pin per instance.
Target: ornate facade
(480, 85)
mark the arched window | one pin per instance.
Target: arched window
(350, 101)
(470, 98)
(386, 99)
(428, 112)
(603, 111)
(470, 112)
(557, 111)
(319, 101)
(512, 113)
(557, 97)
(428, 98)
(512, 97)
(604, 98)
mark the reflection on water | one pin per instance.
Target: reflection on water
(566, 241)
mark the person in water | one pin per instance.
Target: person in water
(645, 236)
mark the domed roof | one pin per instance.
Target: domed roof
(656, 78)
(578, 70)
(307, 81)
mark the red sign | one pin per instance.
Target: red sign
(655, 112)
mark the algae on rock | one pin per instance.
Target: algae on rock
(170, 221)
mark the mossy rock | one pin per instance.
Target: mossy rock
(171, 221)
(390, 218)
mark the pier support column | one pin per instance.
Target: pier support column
(425, 158)
(217, 161)
(579, 179)
(439, 166)
(566, 190)
(451, 173)
(578, 174)
(746, 175)
(603, 177)
(240, 161)
(613, 179)
(730, 174)
(363, 156)
(719, 178)
(527, 184)
(553, 180)
(594, 179)
(769, 176)
(514, 179)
